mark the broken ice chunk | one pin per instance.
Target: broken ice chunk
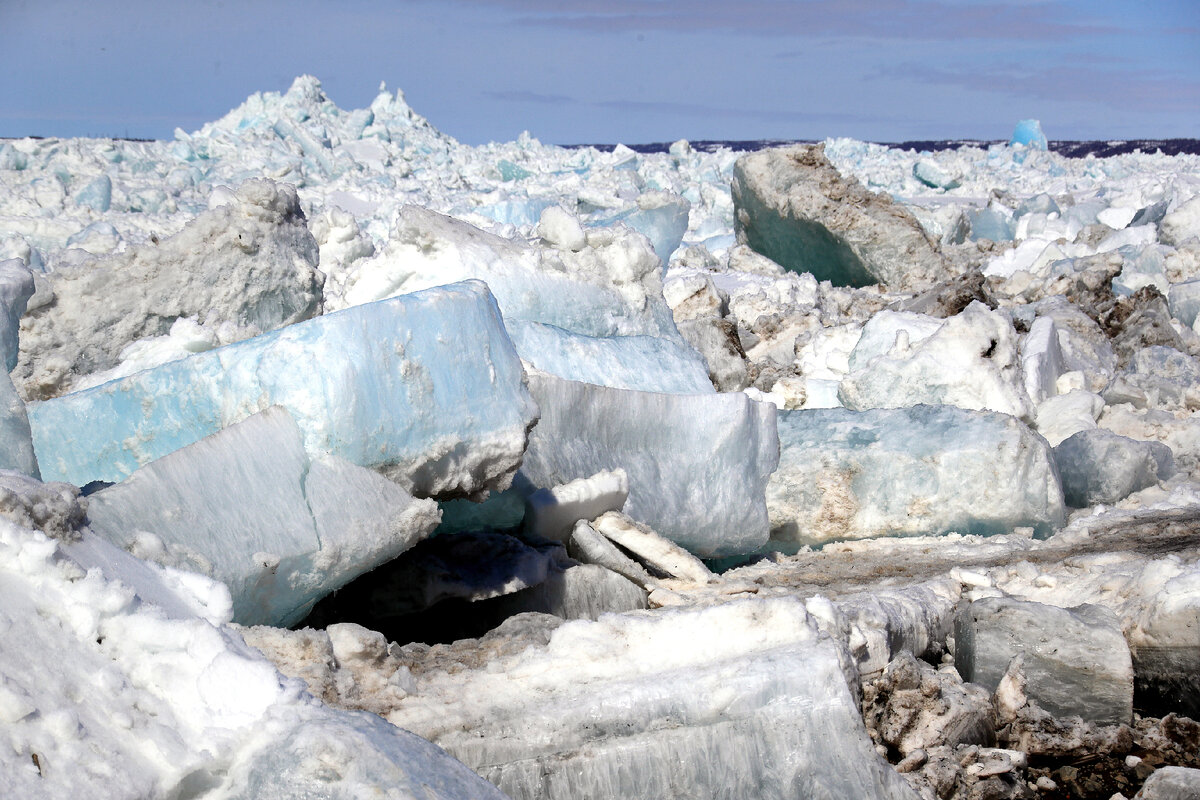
(601, 708)
(248, 507)
(697, 463)
(1098, 466)
(426, 388)
(970, 360)
(651, 549)
(926, 469)
(1028, 133)
(551, 513)
(16, 442)
(1076, 661)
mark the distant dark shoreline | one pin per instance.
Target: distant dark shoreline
(1070, 149)
(1067, 148)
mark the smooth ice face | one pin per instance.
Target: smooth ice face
(1029, 134)
(246, 268)
(16, 443)
(425, 388)
(697, 463)
(1075, 660)
(599, 709)
(645, 363)
(248, 507)
(902, 472)
(1098, 466)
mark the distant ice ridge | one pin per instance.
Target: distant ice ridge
(383, 385)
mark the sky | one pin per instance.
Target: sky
(607, 71)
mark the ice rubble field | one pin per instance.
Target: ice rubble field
(952, 395)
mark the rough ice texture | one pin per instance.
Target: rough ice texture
(1075, 661)
(1098, 466)
(628, 707)
(425, 388)
(697, 463)
(1171, 783)
(248, 507)
(249, 267)
(661, 555)
(612, 287)
(793, 206)
(922, 470)
(175, 705)
(646, 363)
(970, 360)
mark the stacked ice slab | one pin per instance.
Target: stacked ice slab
(424, 388)
(628, 706)
(249, 507)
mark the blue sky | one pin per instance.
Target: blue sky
(618, 70)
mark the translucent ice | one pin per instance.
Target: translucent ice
(16, 443)
(1075, 660)
(926, 469)
(1028, 133)
(1099, 466)
(248, 507)
(384, 385)
(697, 464)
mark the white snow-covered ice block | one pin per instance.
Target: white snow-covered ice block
(744, 699)
(425, 388)
(1041, 360)
(611, 287)
(645, 363)
(552, 512)
(1171, 783)
(1075, 660)
(1099, 466)
(970, 361)
(173, 703)
(921, 470)
(1064, 415)
(250, 508)
(697, 464)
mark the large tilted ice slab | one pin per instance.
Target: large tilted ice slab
(242, 268)
(250, 508)
(1075, 661)
(697, 464)
(425, 388)
(794, 207)
(610, 286)
(740, 700)
(926, 469)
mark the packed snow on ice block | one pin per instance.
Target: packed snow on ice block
(1075, 660)
(425, 388)
(697, 464)
(599, 709)
(921, 470)
(250, 508)
(244, 268)
(174, 701)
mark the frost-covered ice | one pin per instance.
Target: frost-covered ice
(379, 385)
